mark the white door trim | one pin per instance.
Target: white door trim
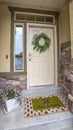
(55, 50)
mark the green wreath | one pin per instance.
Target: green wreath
(41, 42)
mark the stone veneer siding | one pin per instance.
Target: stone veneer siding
(69, 86)
(66, 73)
(64, 63)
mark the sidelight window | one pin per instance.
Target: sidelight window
(18, 47)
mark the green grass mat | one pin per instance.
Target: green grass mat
(43, 103)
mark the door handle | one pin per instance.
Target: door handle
(30, 54)
(29, 59)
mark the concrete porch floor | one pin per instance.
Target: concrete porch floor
(15, 120)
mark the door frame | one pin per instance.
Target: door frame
(55, 50)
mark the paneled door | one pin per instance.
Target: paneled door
(40, 66)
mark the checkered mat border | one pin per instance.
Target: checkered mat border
(29, 112)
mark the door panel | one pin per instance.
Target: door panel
(40, 66)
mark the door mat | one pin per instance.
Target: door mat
(45, 105)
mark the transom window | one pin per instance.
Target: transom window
(33, 17)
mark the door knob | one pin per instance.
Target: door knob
(29, 59)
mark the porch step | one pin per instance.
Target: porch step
(60, 121)
(15, 120)
(42, 91)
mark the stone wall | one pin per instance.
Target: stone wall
(19, 81)
(66, 73)
(64, 63)
(69, 86)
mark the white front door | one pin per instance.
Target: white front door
(40, 66)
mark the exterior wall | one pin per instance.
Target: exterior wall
(4, 38)
(64, 24)
(64, 63)
(64, 43)
(71, 25)
(5, 32)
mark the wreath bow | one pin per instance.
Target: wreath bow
(41, 42)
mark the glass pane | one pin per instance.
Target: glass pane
(30, 17)
(49, 19)
(20, 16)
(18, 48)
(40, 18)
